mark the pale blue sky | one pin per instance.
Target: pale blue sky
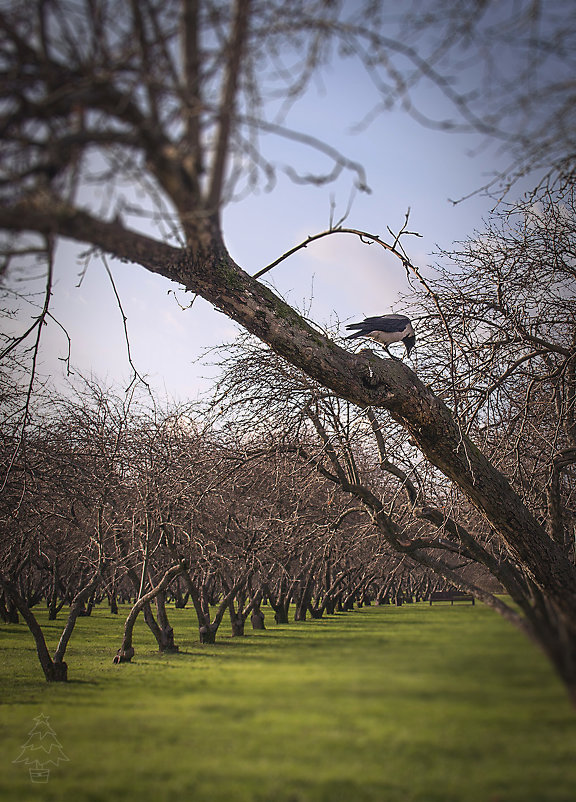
(407, 166)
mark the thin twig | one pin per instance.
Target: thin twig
(363, 235)
(136, 374)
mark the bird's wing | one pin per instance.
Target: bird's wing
(388, 323)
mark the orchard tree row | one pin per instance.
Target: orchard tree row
(109, 498)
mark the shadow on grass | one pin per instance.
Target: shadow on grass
(333, 791)
(15, 629)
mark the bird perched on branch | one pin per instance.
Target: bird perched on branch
(385, 330)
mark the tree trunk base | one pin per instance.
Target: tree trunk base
(166, 642)
(58, 672)
(237, 627)
(257, 619)
(207, 635)
(124, 655)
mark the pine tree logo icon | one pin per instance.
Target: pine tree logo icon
(40, 750)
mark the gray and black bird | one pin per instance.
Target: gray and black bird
(385, 330)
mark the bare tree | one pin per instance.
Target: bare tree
(63, 509)
(501, 347)
(408, 505)
(126, 651)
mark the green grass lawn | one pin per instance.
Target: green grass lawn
(410, 704)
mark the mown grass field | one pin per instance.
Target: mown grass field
(410, 704)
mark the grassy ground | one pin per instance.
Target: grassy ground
(411, 704)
